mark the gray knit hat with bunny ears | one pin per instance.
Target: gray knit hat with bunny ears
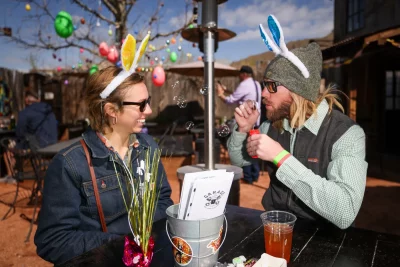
(299, 70)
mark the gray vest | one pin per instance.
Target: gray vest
(314, 152)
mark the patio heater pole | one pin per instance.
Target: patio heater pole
(209, 18)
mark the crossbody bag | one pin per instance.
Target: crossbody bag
(95, 188)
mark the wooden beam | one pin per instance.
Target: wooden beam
(382, 35)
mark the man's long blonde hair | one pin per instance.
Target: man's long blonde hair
(301, 109)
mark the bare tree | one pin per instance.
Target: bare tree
(45, 38)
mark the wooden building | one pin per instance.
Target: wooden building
(364, 62)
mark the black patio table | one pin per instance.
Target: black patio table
(313, 245)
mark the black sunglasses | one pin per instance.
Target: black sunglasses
(142, 105)
(271, 86)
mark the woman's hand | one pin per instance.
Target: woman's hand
(263, 146)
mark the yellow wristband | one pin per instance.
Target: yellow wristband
(280, 156)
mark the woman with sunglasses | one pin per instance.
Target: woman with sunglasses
(315, 154)
(70, 221)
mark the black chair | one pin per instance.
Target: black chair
(17, 152)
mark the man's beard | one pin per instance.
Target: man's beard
(282, 112)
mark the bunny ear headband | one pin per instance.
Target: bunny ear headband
(129, 60)
(276, 43)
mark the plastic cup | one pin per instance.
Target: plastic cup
(254, 131)
(278, 233)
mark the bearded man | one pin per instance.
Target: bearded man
(314, 152)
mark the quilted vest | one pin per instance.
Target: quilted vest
(314, 151)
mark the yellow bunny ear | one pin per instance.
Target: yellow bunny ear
(128, 52)
(143, 46)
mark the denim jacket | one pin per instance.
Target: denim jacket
(69, 223)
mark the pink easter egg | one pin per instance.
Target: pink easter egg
(113, 55)
(103, 49)
(81, 50)
(158, 76)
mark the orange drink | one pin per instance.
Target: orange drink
(278, 232)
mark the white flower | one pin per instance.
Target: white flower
(148, 176)
(140, 168)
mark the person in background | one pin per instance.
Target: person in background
(37, 122)
(315, 154)
(36, 127)
(69, 220)
(248, 89)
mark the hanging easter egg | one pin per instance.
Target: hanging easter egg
(167, 42)
(66, 82)
(81, 50)
(27, 7)
(119, 64)
(194, 45)
(83, 21)
(191, 26)
(98, 23)
(59, 59)
(58, 69)
(168, 50)
(110, 32)
(73, 67)
(156, 59)
(63, 24)
(179, 48)
(93, 69)
(163, 58)
(113, 55)
(75, 27)
(103, 49)
(173, 56)
(173, 40)
(80, 65)
(158, 76)
(199, 58)
(180, 39)
(54, 56)
(151, 62)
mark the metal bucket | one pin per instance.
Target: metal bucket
(195, 243)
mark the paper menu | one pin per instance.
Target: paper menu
(204, 194)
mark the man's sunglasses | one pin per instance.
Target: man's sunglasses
(271, 86)
(142, 105)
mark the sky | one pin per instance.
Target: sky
(299, 19)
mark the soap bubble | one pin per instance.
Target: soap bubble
(189, 125)
(223, 130)
(204, 90)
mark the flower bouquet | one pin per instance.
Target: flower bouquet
(140, 202)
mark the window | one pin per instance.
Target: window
(355, 15)
(392, 89)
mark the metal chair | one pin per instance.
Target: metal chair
(16, 153)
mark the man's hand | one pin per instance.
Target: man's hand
(220, 89)
(246, 116)
(263, 146)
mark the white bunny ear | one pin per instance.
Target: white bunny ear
(277, 44)
(277, 33)
(268, 41)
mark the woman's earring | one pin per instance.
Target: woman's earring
(115, 120)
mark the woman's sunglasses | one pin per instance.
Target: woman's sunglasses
(271, 86)
(142, 105)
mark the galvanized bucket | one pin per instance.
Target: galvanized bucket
(195, 243)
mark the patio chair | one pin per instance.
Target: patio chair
(24, 164)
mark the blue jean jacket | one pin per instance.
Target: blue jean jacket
(69, 223)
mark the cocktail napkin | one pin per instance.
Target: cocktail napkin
(267, 260)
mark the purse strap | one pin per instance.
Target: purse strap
(95, 188)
